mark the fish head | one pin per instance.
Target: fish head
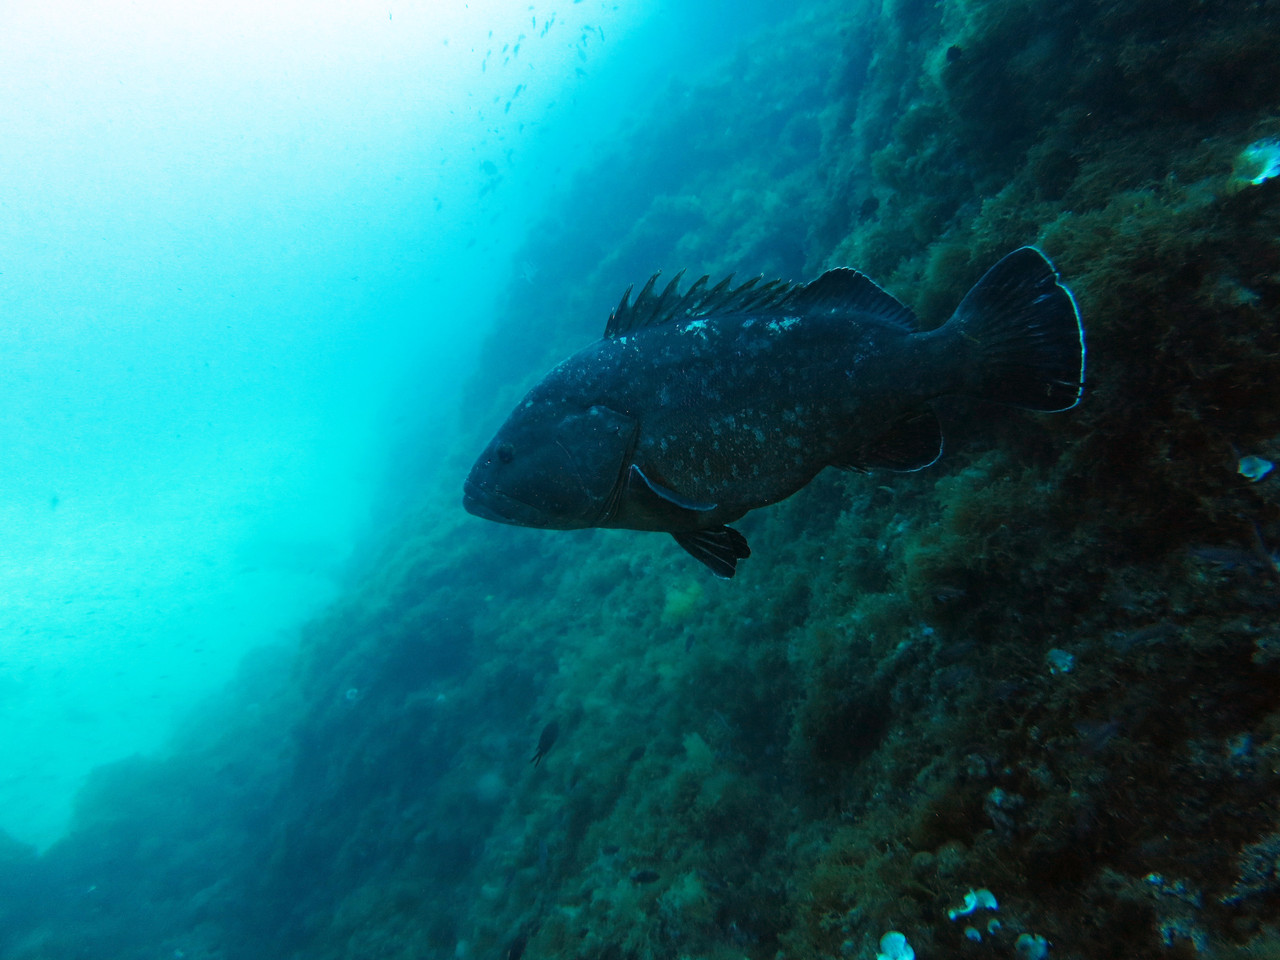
(553, 465)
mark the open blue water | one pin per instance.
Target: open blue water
(245, 250)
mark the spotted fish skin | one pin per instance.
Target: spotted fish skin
(742, 412)
(698, 407)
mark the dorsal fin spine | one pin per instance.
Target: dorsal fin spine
(691, 297)
(610, 328)
(659, 306)
(717, 290)
(774, 297)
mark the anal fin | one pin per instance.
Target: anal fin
(910, 443)
(719, 548)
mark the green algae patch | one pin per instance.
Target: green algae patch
(984, 512)
(681, 602)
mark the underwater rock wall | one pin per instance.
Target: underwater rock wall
(1047, 666)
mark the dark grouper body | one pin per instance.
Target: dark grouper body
(698, 407)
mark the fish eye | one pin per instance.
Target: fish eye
(506, 453)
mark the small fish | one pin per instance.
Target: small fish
(545, 742)
(698, 407)
(515, 949)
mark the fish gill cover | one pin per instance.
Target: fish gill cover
(1042, 674)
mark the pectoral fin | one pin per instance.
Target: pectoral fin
(720, 548)
(659, 501)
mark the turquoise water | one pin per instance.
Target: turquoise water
(244, 252)
(272, 277)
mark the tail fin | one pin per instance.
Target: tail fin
(1024, 327)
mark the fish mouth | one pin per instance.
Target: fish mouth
(488, 504)
(477, 501)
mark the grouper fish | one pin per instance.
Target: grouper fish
(697, 407)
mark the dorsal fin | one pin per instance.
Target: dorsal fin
(839, 291)
(844, 290)
(649, 309)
